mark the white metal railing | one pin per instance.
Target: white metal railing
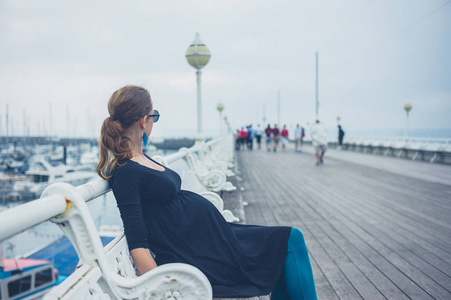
(446, 141)
(108, 273)
(415, 148)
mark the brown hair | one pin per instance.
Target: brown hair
(126, 106)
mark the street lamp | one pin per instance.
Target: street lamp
(338, 119)
(226, 120)
(198, 56)
(407, 108)
(220, 108)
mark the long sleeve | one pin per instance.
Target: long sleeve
(126, 189)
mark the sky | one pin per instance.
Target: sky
(60, 61)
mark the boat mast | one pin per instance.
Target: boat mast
(50, 122)
(7, 124)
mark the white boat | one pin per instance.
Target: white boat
(90, 158)
(42, 173)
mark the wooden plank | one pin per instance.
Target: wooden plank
(397, 261)
(324, 289)
(430, 265)
(370, 233)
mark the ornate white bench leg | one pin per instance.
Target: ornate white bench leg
(229, 187)
(229, 173)
(229, 217)
(213, 180)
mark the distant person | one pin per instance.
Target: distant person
(245, 137)
(302, 135)
(341, 135)
(237, 140)
(268, 132)
(319, 141)
(250, 137)
(241, 138)
(258, 136)
(284, 137)
(275, 137)
(297, 138)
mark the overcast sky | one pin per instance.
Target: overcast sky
(65, 58)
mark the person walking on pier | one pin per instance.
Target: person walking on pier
(341, 135)
(258, 136)
(180, 226)
(297, 137)
(319, 141)
(242, 138)
(284, 137)
(268, 132)
(302, 135)
(250, 137)
(275, 137)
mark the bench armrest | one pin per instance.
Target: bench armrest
(169, 281)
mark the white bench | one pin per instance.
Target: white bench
(221, 150)
(210, 163)
(179, 162)
(213, 180)
(106, 273)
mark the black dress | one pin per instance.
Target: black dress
(182, 226)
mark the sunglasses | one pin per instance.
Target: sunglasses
(155, 116)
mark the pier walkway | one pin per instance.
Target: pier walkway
(376, 227)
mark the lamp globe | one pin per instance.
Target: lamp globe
(198, 54)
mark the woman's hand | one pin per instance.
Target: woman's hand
(143, 260)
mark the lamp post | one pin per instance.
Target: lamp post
(338, 120)
(317, 101)
(220, 108)
(226, 120)
(407, 108)
(198, 57)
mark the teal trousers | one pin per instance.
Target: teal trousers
(296, 281)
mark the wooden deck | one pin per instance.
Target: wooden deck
(375, 227)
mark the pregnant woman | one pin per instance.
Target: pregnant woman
(164, 224)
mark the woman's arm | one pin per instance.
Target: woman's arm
(126, 186)
(143, 260)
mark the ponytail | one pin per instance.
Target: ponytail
(113, 147)
(126, 106)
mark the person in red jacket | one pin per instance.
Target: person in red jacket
(284, 135)
(241, 138)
